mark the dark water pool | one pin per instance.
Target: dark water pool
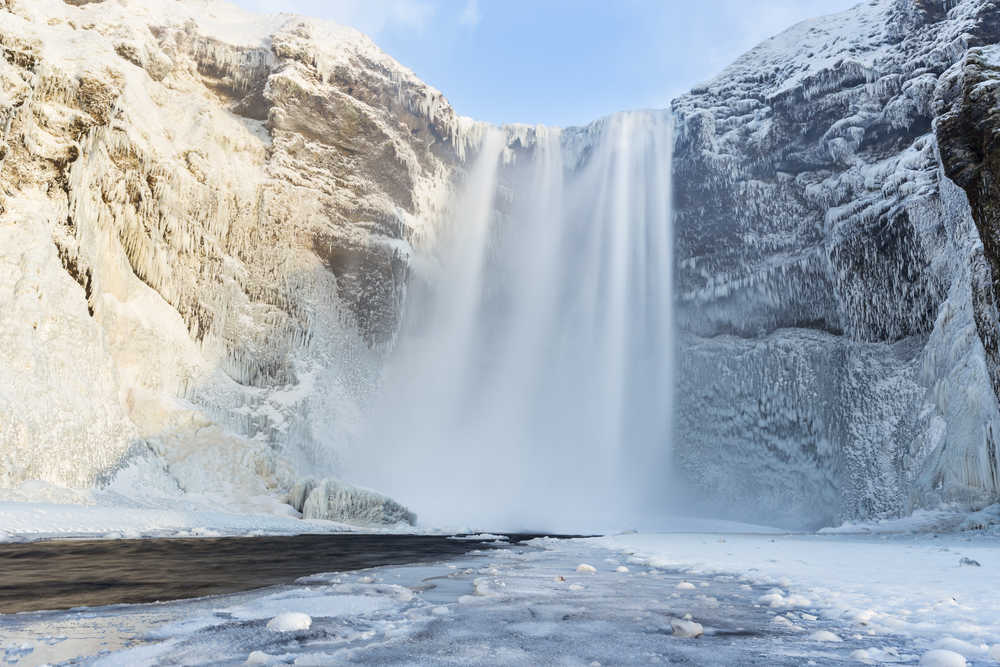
(64, 574)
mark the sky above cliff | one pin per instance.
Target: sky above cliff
(561, 62)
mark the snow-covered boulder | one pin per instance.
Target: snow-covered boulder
(333, 500)
(686, 629)
(942, 658)
(289, 621)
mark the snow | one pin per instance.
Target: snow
(942, 658)
(892, 585)
(112, 517)
(289, 621)
(688, 629)
(478, 537)
(515, 605)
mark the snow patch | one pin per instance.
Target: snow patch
(289, 621)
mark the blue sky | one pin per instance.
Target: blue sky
(561, 62)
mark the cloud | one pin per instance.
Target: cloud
(470, 16)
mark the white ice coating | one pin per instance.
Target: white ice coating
(531, 383)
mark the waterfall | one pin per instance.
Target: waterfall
(531, 384)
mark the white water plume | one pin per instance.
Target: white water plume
(531, 384)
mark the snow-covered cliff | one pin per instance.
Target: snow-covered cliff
(833, 294)
(205, 222)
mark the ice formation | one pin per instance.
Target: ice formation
(333, 500)
(204, 232)
(834, 299)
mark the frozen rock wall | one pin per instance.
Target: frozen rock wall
(205, 223)
(834, 296)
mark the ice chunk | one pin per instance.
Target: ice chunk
(335, 501)
(824, 636)
(297, 496)
(685, 586)
(583, 567)
(621, 568)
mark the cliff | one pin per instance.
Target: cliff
(205, 225)
(838, 353)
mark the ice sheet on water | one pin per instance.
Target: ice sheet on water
(531, 609)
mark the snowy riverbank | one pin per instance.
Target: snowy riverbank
(759, 598)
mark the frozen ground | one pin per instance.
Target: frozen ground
(759, 599)
(38, 520)
(37, 510)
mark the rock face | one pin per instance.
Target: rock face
(205, 223)
(839, 349)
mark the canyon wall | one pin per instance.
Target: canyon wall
(206, 218)
(836, 289)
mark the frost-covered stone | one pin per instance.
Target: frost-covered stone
(289, 621)
(832, 297)
(942, 658)
(686, 629)
(335, 501)
(205, 222)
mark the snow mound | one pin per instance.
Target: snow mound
(289, 621)
(686, 629)
(333, 500)
(824, 636)
(583, 567)
(942, 658)
(966, 649)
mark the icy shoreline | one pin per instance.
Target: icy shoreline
(700, 598)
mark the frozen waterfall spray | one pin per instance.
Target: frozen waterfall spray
(531, 385)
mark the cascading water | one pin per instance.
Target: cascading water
(530, 388)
